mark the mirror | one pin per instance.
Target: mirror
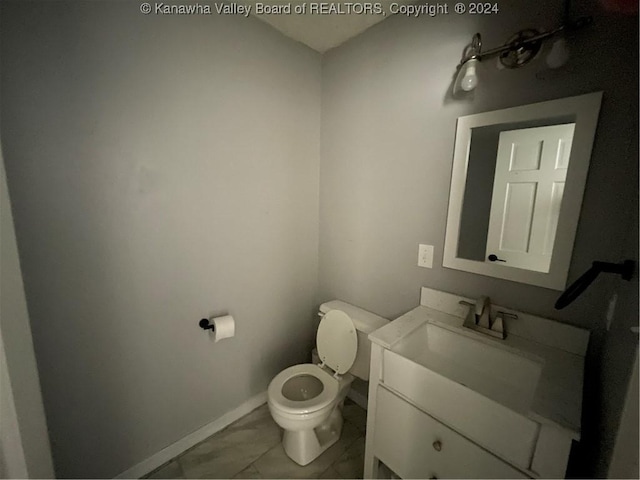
(516, 190)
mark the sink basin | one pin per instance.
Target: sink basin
(471, 361)
(480, 388)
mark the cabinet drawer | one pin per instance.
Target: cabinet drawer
(415, 445)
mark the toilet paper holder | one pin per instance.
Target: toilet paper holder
(205, 324)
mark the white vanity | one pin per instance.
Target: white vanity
(449, 402)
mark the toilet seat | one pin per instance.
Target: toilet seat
(325, 397)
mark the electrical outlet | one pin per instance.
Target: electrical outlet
(425, 256)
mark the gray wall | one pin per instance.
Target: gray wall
(620, 344)
(24, 443)
(388, 128)
(161, 169)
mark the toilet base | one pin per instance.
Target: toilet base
(304, 446)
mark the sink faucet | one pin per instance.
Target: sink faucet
(479, 318)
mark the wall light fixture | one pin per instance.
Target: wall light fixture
(518, 50)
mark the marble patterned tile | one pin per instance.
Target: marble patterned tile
(168, 470)
(276, 464)
(356, 415)
(330, 473)
(249, 472)
(233, 449)
(351, 463)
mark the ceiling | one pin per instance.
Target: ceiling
(321, 31)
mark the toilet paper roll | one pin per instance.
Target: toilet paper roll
(225, 327)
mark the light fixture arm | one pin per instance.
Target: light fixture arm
(477, 44)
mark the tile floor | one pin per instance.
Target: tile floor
(251, 448)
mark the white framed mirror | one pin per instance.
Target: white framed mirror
(516, 190)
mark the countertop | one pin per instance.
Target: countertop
(560, 349)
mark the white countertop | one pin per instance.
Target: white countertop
(560, 349)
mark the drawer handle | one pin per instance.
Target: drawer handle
(437, 445)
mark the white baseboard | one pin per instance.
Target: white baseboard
(163, 456)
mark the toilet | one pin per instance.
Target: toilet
(306, 400)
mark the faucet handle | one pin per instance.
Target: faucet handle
(498, 324)
(483, 303)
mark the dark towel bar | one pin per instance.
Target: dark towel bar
(625, 269)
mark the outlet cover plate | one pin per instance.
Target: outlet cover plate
(425, 256)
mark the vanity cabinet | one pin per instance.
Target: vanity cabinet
(467, 412)
(444, 402)
(434, 450)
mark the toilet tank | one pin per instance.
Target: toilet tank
(365, 323)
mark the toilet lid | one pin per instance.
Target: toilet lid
(337, 341)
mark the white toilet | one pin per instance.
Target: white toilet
(306, 400)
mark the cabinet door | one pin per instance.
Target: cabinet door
(415, 445)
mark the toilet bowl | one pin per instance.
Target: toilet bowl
(306, 400)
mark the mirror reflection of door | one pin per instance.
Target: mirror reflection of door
(531, 168)
(508, 196)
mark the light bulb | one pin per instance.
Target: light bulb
(559, 54)
(470, 79)
(466, 78)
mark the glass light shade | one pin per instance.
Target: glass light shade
(467, 79)
(470, 79)
(559, 54)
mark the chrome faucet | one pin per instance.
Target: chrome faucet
(479, 318)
